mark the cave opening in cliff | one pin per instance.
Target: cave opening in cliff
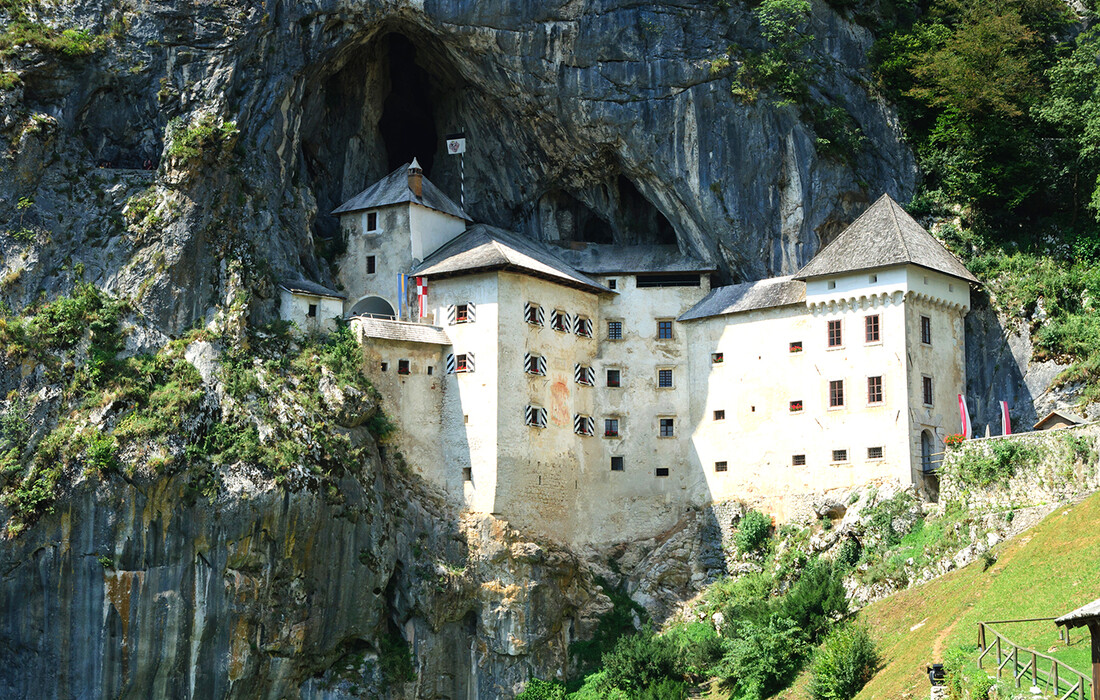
(407, 124)
(640, 220)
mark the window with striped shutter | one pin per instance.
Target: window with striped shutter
(461, 313)
(533, 314)
(582, 326)
(457, 364)
(583, 374)
(583, 425)
(534, 364)
(559, 321)
(535, 416)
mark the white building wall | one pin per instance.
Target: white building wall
(390, 247)
(430, 229)
(294, 307)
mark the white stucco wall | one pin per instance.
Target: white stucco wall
(430, 229)
(294, 307)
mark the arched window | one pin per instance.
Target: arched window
(373, 306)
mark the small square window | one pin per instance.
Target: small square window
(372, 221)
(720, 466)
(836, 339)
(926, 330)
(617, 464)
(950, 287)
(559, 321)
(532, 313)
(840, 455)
(466, 419)
(717, 358)
(874, 389)
(661, 471)
(430, 370)
(664, 330)
(385, 366)
(926, 390)
(796, 346)
(403, 367)
(874, 453)
(798, 460)
(467, 474)
(668, 428)
(872, 278)
(462, 313)
(613, 378)
(370, 264)
(664, 378)
(614, 330)
(611, 427)
(462, 363)
(795, 406)
(836, 393)
(612, 284)
(720, 414)
(312, 313)
(831, 284)
(583, 327)
(870, 324)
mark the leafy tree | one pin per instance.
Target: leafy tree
(752, 533)
(639, 660)
(542, 690)
(844, 663)
(764, 658)
(817, 598)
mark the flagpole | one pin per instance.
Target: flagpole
(456, 146)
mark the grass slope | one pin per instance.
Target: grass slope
(1047, 571)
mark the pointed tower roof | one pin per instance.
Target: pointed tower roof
(883, 236)
(394, 189)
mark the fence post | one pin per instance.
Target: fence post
(998, 656)
(981, 638)
(1016, 664)
(1034, 670)
(1054, 670)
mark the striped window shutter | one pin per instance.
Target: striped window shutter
(469, 362)
(583, 425)
(450, 314)
(585, 327)
(535, 416)
(589, 376)
(527, 363)
(542, 365)
(542, 316)
(584, 375)
(470, 315)
(527, 312)
(450, 364)
(570, 320)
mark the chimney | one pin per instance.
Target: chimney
(416, 179)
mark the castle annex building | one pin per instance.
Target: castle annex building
(592, 392)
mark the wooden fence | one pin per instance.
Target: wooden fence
(1058, 676)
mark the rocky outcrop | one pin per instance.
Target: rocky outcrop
(584, 121)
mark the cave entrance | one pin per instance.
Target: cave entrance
(639, 219)
(407, 123)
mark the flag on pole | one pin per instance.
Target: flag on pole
(422, 296)
(1006, 421)
(456, 143)
(401, 292)
(964, 414)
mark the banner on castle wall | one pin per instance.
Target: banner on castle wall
(964, 416)
(401, 292)
(1006, 420)
(422, 297)
(456, 144)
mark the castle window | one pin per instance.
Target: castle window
(871, 325)
(612, 284)
(614, 330)
(664, 378)
(430, 368)
(584, 425)
(532, 313)
(372, 221)
(467, 474)
(664, 330)
(535, 416)
(402, 366)
(720, 466)
(831, 284)
(835, 337)
(798, 460)
(717, 358)
(611, 427)
(614, 378)
(584, 375)
(720, 414)
(460, 313)
(370, 264)
(926, 330)
(840, 455)
(872, 278)
(874, 389)
(926, 389)
(668, 427)
(836, 393)
(874, 453)
(460, 363)
(385, 366)
(534, 364)
(618, 464)
(661, 471)
(795, 406)
(668, 280)
(583, 327)
(559, 321)
(796, 346)
(312, 312)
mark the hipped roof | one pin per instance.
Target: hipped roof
(483, 248)
(609, 259)
(301, 286)
(883, 236)
(390, 329)
(394, 189)
(750, 296)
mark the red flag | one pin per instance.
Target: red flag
(422, 296)
(964, 415)
(1006, 421)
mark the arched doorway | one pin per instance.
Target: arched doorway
(374, 307)
(926, 451)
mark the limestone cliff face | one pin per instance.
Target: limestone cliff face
(585, 120)
(138, 590)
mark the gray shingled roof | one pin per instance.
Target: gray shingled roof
(300, 286)
(394, 189)
(882, 236)
(1067, 415)
(750, 296)
(604, 259)
(389, 329)
(483, 247)
(1081, 616)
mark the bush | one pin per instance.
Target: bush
(542, 690)
(206, 135)
(753, 531)
(997, 467)
(763, 659)
(639, 660)
(816, 599)
(844, 663)
(613, 626)
(395, 659)
(696, 645)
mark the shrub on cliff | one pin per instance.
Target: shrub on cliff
(844, 663)
(752, 533)
(542, 690)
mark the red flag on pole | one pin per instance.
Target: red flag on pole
(1006, 421)
(964, 415)
(422, 296)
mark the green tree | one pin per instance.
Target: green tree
(844, 663)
